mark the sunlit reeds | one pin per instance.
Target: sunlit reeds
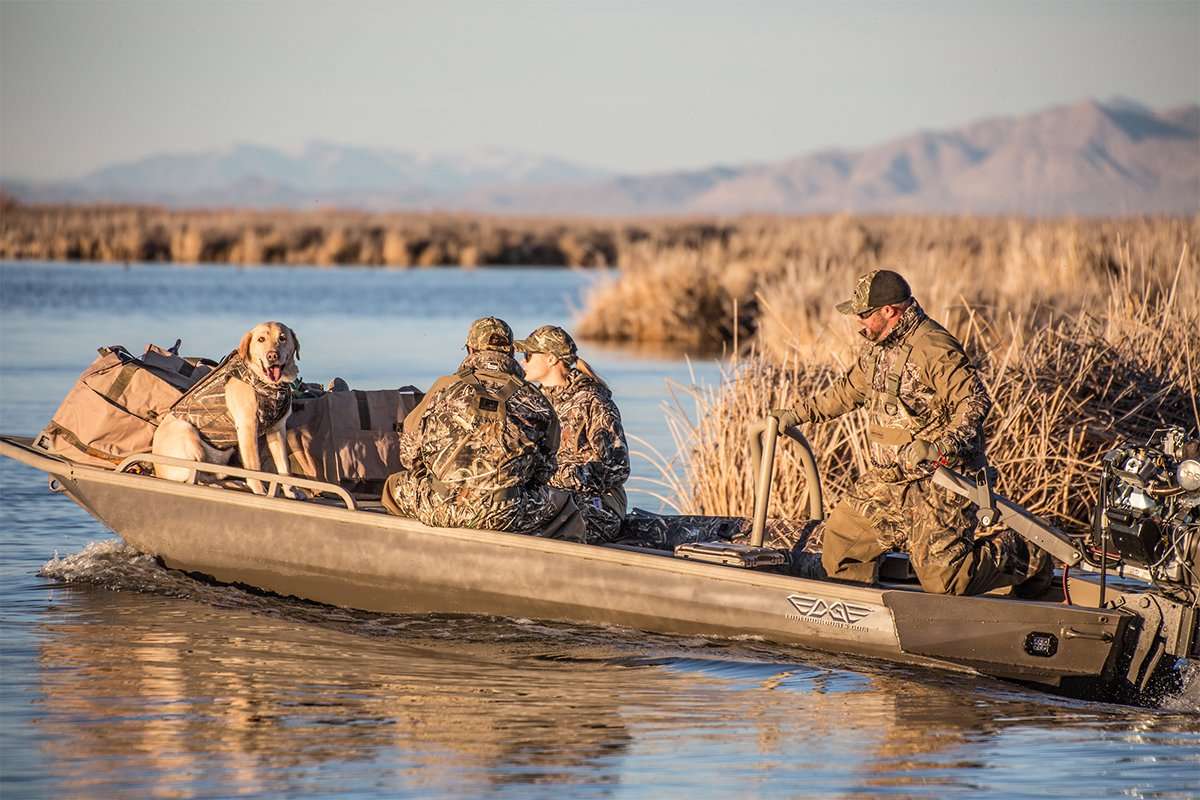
(1064, 386)
(776, 280)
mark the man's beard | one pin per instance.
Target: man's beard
(870, 336)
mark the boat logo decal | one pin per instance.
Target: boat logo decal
(837, 613)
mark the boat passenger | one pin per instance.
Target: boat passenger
(593, 457)
(479, 449)
(925, 408)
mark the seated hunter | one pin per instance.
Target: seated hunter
(479, 450)
(593, 458)
(925, 406)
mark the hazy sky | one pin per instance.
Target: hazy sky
(633, 86)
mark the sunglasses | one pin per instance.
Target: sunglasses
(870, 312)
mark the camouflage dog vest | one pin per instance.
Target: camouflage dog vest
(204, 406)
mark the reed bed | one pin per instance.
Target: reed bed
(331, 237)
(773, 282)
(1065, 386)
(325, 237)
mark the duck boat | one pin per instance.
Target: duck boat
(1114, 635)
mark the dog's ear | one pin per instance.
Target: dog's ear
(244, 346)
(295, 342)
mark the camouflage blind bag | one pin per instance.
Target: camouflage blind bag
(351, 437)
(116, 404)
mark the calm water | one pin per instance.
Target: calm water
(118, 678)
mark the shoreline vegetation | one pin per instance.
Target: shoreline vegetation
(1086, 331)
(324, 237)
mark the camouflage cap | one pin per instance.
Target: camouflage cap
(878, 288)
(549, 339)
(490, 333)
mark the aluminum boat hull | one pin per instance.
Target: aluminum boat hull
(376, 562)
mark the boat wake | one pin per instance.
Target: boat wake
(1186, 698)
(112, 564)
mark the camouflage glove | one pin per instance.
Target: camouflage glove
(786, 416)
(920, 455)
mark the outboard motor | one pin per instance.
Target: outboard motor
(1147, 526)
(1148, 520)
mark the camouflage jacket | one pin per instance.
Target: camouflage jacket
(593, 457)
(471, 454)
(938, 397)
(205, 407)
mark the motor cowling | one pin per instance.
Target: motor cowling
(1149, 513)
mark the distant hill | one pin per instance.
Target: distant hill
(1092, 158)
(322, 173)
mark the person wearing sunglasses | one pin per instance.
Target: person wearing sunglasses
(593, 457)
(925, 408)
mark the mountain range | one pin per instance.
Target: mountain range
(1092, 158)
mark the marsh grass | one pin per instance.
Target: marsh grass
(774, 282)
(1065, 387)
(326, 237)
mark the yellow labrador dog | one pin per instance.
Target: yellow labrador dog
(247, 397)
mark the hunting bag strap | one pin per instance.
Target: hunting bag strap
(54, 429)
(131, 364)
(891, 383)
(119, 386)
(511, 382)
(491, 402)
(364, 409)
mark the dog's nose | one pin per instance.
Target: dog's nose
(273, 355)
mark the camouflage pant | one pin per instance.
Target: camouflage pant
(542, 511)
(937, 530)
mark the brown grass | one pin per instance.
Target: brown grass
(327, 237)
(1083, 330)
(1065, 386)
(775, 280)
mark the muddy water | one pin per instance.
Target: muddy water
(119, 678)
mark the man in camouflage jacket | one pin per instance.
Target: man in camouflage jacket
(925, 408)
(479, 450)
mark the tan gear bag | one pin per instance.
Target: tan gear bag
(351, 438)
(115, 405)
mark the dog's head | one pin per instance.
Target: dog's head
(271, 349)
